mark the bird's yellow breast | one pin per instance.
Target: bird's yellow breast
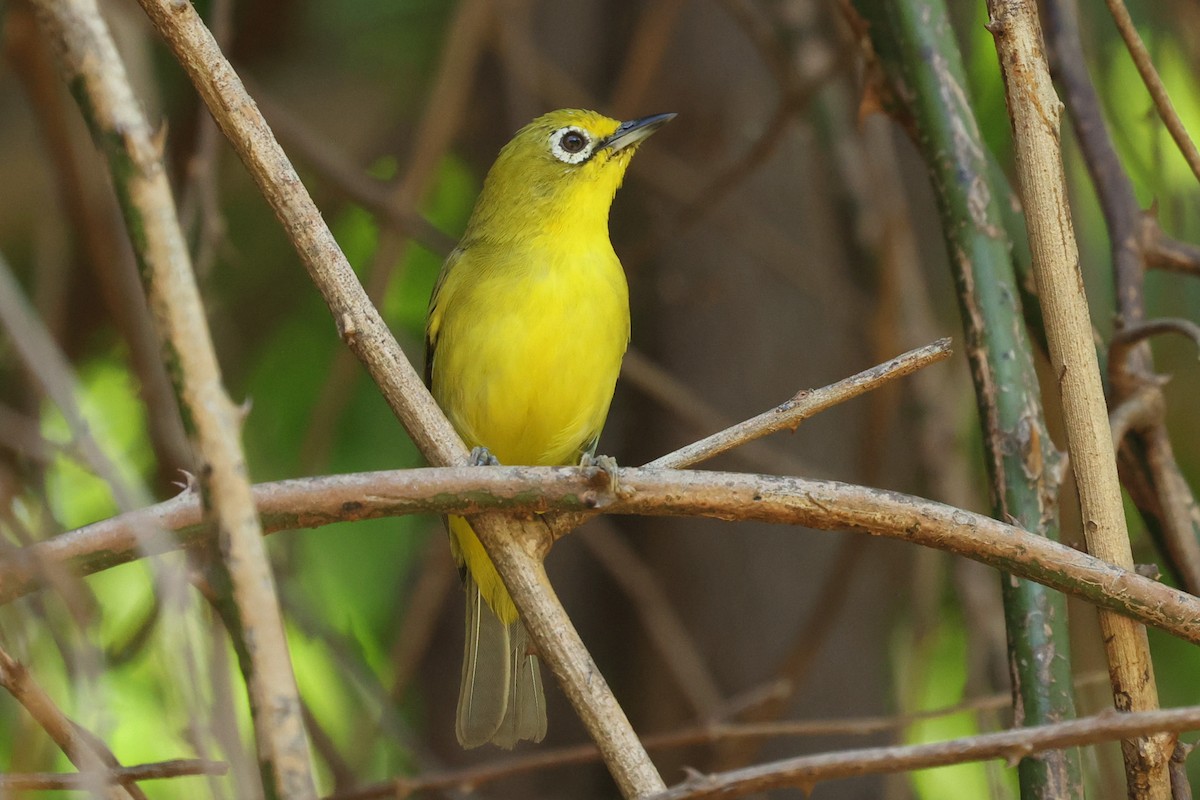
(529, 341)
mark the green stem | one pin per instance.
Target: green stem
(927, 85)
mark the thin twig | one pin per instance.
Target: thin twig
(1165, 253)
(1035, 111)
(49, 366)
(86, 752)
(90, 208)
(473, 777)
(684, 404)
(1158, 91)
(804, 405)
(1133, 334)
(807, 771)
(159, 770)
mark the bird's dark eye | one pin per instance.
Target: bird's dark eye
(571, 145)
(573, 141)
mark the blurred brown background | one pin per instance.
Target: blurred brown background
(775, 239)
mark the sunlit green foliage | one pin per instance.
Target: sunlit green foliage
(930, 668)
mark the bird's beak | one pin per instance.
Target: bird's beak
(635, 130)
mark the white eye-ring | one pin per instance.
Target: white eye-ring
(571, 145)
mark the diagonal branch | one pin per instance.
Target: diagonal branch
(789, 414)
(83, 750)
(517, 550)
(1158, 91)
(94, 70)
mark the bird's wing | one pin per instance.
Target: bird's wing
(433, 321)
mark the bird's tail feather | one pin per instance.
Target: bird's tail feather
(526, 714)
(501, 698)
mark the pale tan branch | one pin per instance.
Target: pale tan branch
(826, 505)
(1035, 111)
(93, 67)
(685, 405)
(515, 549)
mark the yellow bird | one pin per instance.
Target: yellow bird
(527, 326)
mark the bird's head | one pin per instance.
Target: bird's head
(560, 170)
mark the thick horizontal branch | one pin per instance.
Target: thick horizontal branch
(45, 781)
(827, 505)
(807, 771)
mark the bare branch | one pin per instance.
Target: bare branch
(1139, 332)
(86, 752)
(45, 781)
(804, 405)
(1145, 460)
(807, 771)
(1035, 111)
(92, 65)
(515, 549)
(638, 371)
(706, 733)
(1164, 252)
(825, 505)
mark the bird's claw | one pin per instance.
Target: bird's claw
(482, 457)
(606, 463)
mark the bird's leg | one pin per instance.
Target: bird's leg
(482, 457)
(606, 463)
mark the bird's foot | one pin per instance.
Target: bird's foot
(606, 463)
(482, 457)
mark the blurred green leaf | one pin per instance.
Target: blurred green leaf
(932, 673)
(110, 406)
